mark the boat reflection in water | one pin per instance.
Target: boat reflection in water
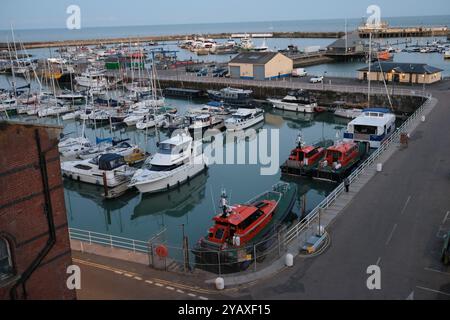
(176, 202)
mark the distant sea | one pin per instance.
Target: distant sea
(205, 28)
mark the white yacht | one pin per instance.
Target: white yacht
(150, 121)
(298, 101)
(175, 163)
(113, 166)
(373, 126)
(244, 118)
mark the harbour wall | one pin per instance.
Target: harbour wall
(402, 104)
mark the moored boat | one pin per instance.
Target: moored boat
(243, 229)
(106, 168)
(298, 101)
(244, 118)
(373, 126)
(304, 159)
(339, 160)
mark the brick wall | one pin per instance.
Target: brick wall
(22, 215)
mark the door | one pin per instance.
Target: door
(235, 72)
(259, 72)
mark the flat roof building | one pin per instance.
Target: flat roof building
(413, 73)
(260, 65)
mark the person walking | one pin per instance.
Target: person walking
(346, 184)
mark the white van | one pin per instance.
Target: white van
(299, 72)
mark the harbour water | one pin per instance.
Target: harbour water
(140, 217)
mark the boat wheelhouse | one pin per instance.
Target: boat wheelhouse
(373, 126)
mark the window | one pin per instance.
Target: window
(6, 268)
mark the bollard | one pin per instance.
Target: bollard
(422, 119)
(379, 167)
(289, 261)
(220, 283)
(320, 230)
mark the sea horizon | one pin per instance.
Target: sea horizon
(310, 25)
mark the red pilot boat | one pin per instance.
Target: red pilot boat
(340, 159)
(230, 241)
(304, 159)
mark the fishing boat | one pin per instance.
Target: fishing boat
(244, 118)
(298, 101)
(107, 168)
(232, 97)
(242, 230)
(304, 159)
(339, 160)
(373, 126)
(173, 164)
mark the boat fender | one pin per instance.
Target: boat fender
(237, 241)
(78, 178)
(168, 186)
(188, 178)
(178, 183)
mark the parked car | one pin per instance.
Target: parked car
(203, 72)
(316, 79)
(299, 72)
(220, 72)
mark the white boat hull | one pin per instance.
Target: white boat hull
(288, 106)
(165, 183)
(244, 124)
(93, 176)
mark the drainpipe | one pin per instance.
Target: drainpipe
(48, 210)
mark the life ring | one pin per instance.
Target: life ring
(162, 251)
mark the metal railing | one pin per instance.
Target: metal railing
(297, 229)
(108, 240)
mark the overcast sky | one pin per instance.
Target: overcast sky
(30, 14)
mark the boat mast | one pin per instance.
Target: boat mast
(368, 73)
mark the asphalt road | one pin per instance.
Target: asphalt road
(396, 222)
